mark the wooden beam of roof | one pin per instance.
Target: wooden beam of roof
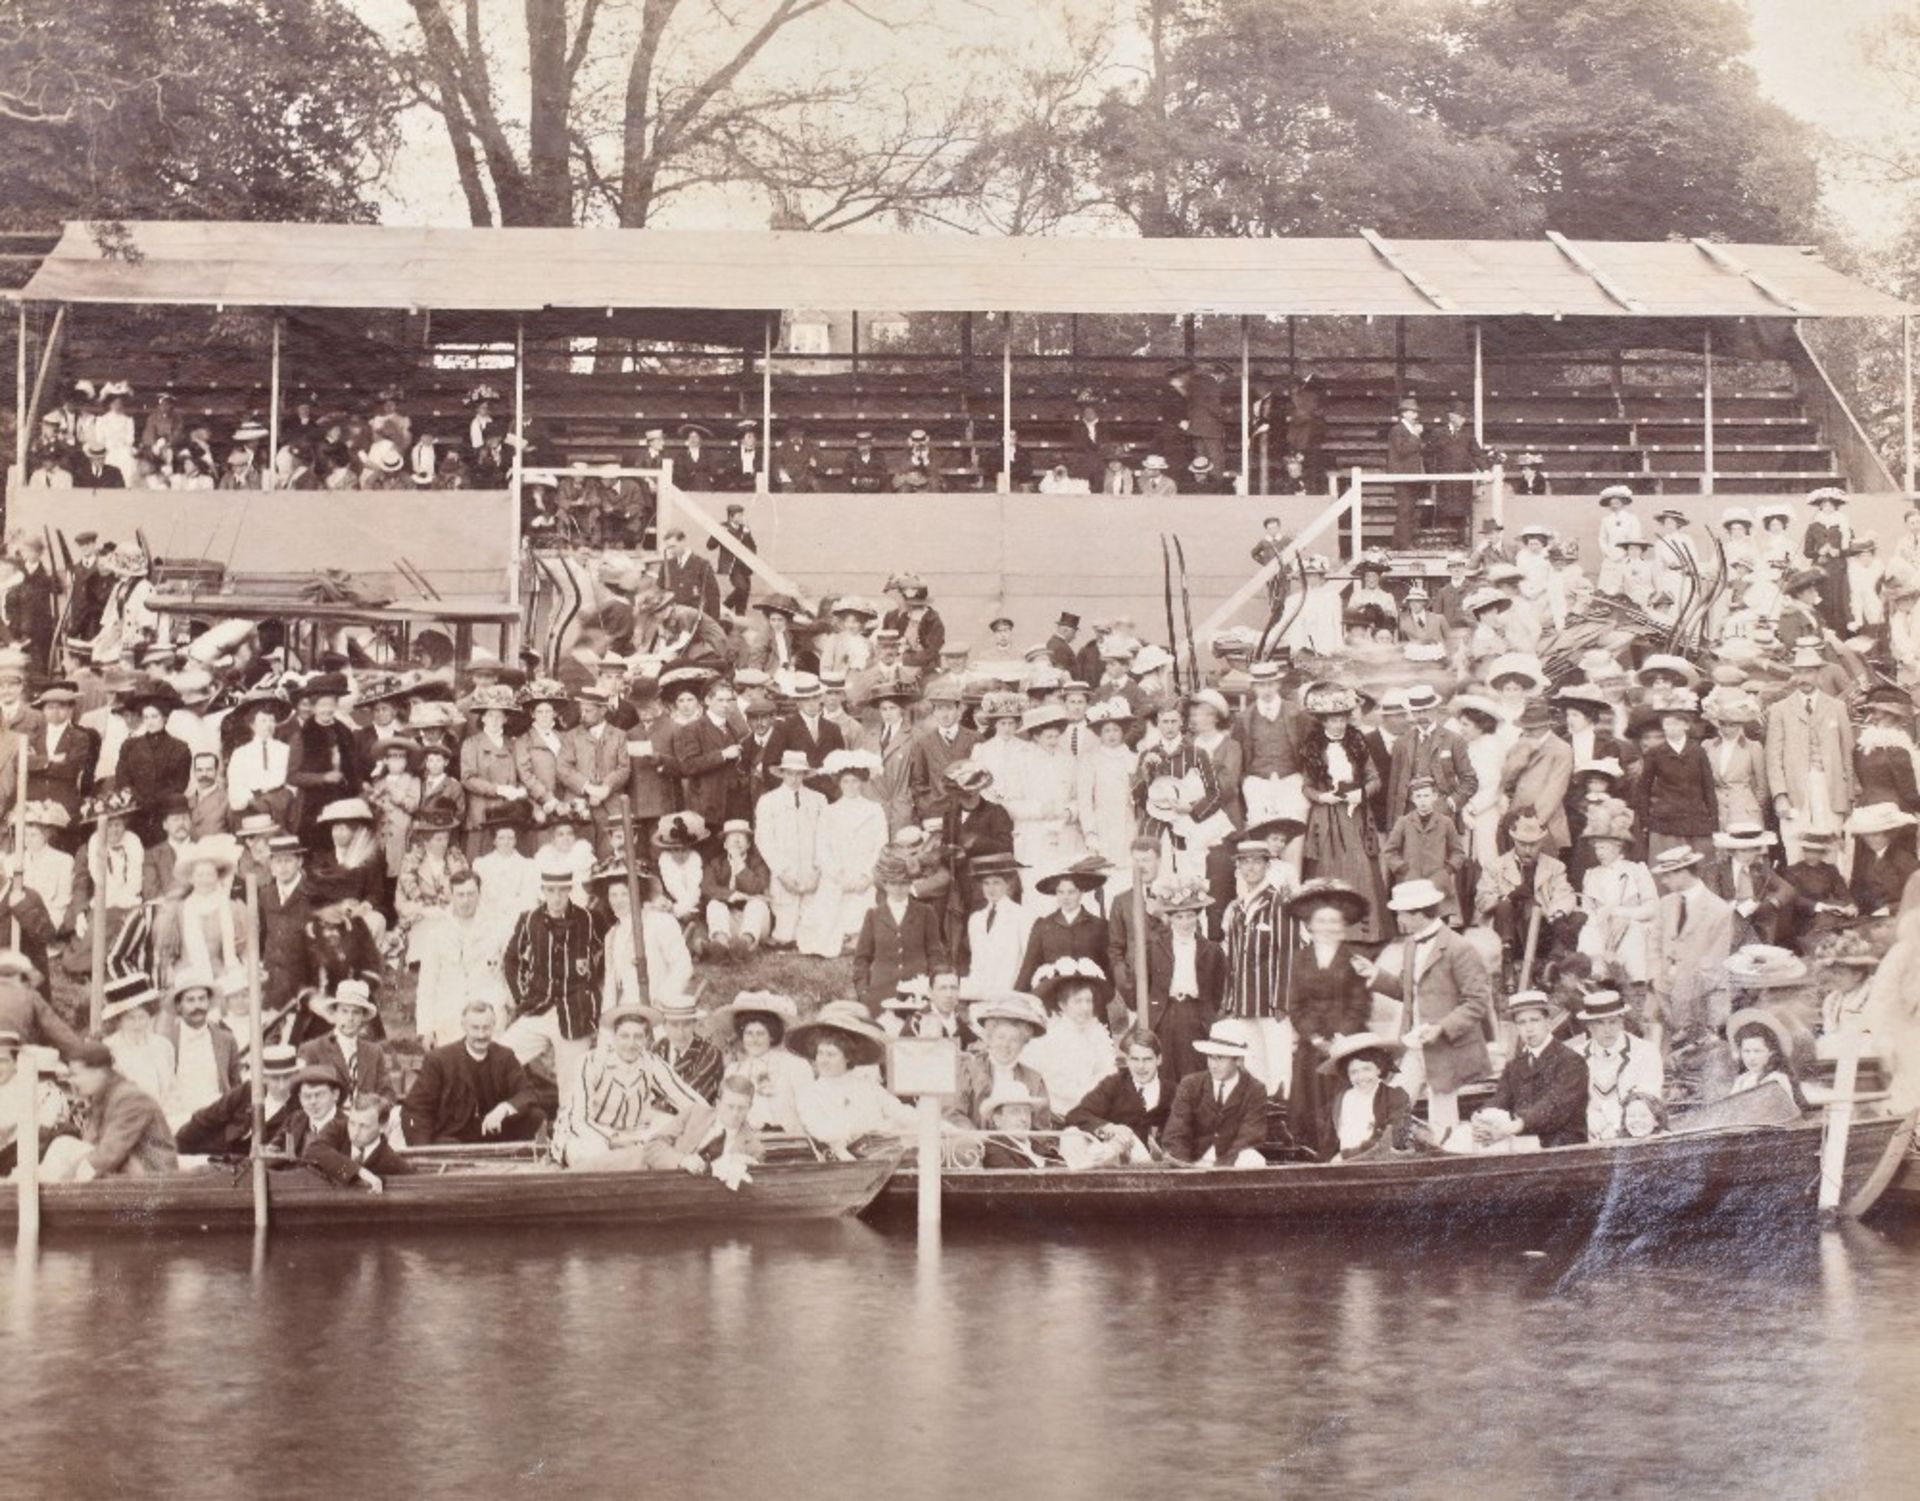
(1413, 278)
(1736, 267)
(1605, 282)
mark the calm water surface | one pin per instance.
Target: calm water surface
(838, 1360)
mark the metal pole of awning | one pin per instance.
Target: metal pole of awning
(1246, 407)
(273, 407)
(763, 481)
(1006, 403)
(1906, 393)
(1706, 407)
(519, 458)
(20, 408)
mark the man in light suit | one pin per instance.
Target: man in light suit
(1427, 749)
(1443, 984)
(1538, 771)
(1692, 936)
(1809, 755)
(710, 1134)
(594, 763)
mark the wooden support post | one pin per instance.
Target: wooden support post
(1479, 389)
(927, 1115)
(257, 1087)
(273, 405)
(1359, 514)
(1906, 398)
(966, 347)
(1246, 406)
(853, 360)
(1399, 356)
(20, 406)
(1839, 1122)
(1006, 403)
(763, 481)
(97, 939)
(1186, 336)
(519, 457)
(630, 859)
(49, 351)
(26, 1081)
(1293, 354)
(1706, 356)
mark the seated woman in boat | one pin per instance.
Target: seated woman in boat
(1365, 1108)
(757, 1021)
(1642, 1116)
(1120, 1118)
(844, 1108)
(1076, 1052)
(141, 1055)
(1763, 1049)
(1007, 1023)
(624, 1094)
(1219, 1115)
(124, 1134)
(1009, 1141)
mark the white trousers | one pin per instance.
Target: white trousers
(532, 1036)
(1269, 1049)
(751, 919)
(1443, 1106)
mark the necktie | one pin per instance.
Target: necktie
(1409, 976)
(263, 755)
(712, 1151)
(992, 909)
(353, 1071)
(1220, 1095)
(1680, 922)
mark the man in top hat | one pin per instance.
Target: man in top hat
(1407, 454)
(1218, 1117)
(1810, 764)
(1692, 937)
(688, 579)
(1451, 448)
(1446, 995)
(915, 470)
(553, 972)
(1060, 650)
(734, 536)
(1619, 1064)
(359, 1061)
(1543, 1089)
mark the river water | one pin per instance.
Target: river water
(840, 1360)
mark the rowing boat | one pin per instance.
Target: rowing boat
(449, 1194)
(1655, 1179)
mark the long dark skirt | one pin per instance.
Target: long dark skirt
(1309, 1099)
(1340, 844)
(1179, 1025)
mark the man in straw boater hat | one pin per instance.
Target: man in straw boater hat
(1692, 937)
(1810, 743)
(1219, 1113)
(625, 1097)
(787, 835)
(1542, 1091)
(553, 969)
(1007, 1023)
(360, 1061)
(1619, 1064)
(1742, 873)
(1883, 857)
(1445, 994)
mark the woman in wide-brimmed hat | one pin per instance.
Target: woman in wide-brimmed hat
(197, 924)
(1765, 1040)
(852, 833)
(428, 870)
(1340, 781)
(488, 769)
(752, 1028)
(352, 868)
(393, 792)
(1361, 1107)
(140, 1053)
(1327, 999)
(843, 1107)
(1041, 791)
(1109, 816)
(1077, 1051)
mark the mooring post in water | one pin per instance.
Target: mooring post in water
(927, 1070)
(26, 1138)
(1846, 1051)
(928, 1164)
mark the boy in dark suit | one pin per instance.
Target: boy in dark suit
(1218, 1118)
(1543, 1089)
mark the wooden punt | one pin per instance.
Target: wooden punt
(1734, 1170)
(448, 1194)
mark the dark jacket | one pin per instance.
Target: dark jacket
(791, 733)
(1116, 1101)
(1392, 1110)
(1197, 1122)
(1675, 792)
(129, 1134)
(708, 780)
(1051, 938)
(692, 583)
(887, 952)
(1549, 1096)
(225, 1128)
(373, 1076)
(455, 1092)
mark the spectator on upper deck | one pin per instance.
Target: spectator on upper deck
(916, 469)
(1293, 476)
(1117, 478)
(694, 469)
(1453, 449)
(796, 464)
(1089, 446)
(1154, 478)
(1203, 479)
(390, 423)
(1194, 414)
(93, 472)
(741, 471)
(1528, 478)
(866, 473)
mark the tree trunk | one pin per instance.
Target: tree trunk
(639, 162)
(549, 196)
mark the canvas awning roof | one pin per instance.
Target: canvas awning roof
(574, 272)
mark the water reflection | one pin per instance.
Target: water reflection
(810, 1360)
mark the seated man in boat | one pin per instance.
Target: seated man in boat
(1124, 1114)
(360, 1061)
(1619, 1064)
(1218, 1117)
(125, 1134)
(50, 1105)
(1007, 1023)
(625, 1096)
(1543, 1089)
(225, 1128)
(318, 1126)
(1009, 1141)
(714, 1139)
(472, 1090)
(346, 1144)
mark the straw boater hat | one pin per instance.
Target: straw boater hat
(1358, 1044)
(1530, 1000)
(1008, 1091)
(1063, 974)
(1673, 859)
(1326, 892)
(1740, 835)
(187, 980)
(354, 994)
(844, 1022)
(1878, 818)
(1415, 896)
(778, 1012)
(1009, 1006)
(125, 992)
(1616, 495)
(1222, 1041)
(1601, 1005)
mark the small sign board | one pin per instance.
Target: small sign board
(923, 1066)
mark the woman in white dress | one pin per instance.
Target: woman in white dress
(669, 962)
(1618, 896)
(847, 650)
(1003, 751)
(1318, 626)
(1043, 795)
(1478, 721)
(843, 1107)
(853, 831)
(1076, 1051)
(1108, 816)
(752, 1029)
(140, 1053)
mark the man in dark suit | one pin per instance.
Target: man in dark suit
(471, 1090)
(1452, 449)
(938, 746)
(1131, 1103)
(60, 759)
(708, 757)
(689, 580)
(1406, 454)
(286, 910)
(1087, 444)
(30, 610)
(867, 472)
(733, 567)
(1428, 749)
(808, 731)
(92, 584)
(694, 469)
(1543, 1088)
(92, 471)
(1060, 650)
(1218, 1118)
(225, 1128)
(360, 1062)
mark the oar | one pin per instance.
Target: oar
(1186, 612)
(258, 1088)
(1166, 583)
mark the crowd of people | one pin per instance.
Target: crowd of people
(1598, 844)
